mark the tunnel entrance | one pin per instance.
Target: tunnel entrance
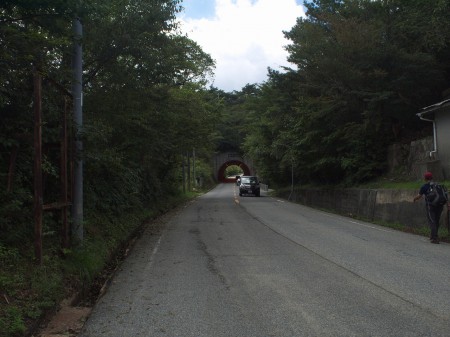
(221, 173)
(224, 160)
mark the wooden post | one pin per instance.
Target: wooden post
(38, 193)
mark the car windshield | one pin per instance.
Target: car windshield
(249, 180)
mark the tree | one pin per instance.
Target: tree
(361, 81)
(143, 84)
(141, 76)
(363, 69)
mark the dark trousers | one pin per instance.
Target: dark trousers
(433, 216)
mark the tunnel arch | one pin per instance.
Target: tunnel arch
(221, 171)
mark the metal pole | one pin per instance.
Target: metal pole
(448, 219)
(292, 180)
(184, 174)
(193, 167)
(77, 202)
(292, 177)
(189, 170)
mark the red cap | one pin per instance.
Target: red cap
(428, 175)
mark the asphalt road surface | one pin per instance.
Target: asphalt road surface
(258, 267)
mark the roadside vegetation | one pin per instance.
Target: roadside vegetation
(31, 292)
(361, 71)
(145, 112)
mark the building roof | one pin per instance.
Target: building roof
(432, 108)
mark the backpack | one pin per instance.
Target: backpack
(437, 195)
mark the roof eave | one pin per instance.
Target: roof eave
(433, 108)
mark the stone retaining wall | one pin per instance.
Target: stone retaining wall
(393, 206)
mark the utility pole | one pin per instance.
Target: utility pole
(77, 67)
(292, 179)
(184, 173)
(188, 155)
(193, 167)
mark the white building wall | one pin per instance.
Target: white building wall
(443, 139)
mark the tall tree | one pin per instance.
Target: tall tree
(138, 67)
(361, 79)
(363, 69)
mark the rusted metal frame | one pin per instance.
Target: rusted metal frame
(63, 204)
(15, 150)
(55, 206)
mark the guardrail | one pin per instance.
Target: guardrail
(264, 187)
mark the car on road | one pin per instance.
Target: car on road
(249, 185)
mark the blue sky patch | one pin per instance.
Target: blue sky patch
(204, 9)
(198, 9)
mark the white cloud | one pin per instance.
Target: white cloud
(244, 37)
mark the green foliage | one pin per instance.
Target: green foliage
(145, 107)
(233, 170)
(12, 322)
(27, 289)
(364, 69)
(144, 103)
(204, 175)
(15, 219)
(86, 263)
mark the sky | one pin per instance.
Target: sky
(244, 37)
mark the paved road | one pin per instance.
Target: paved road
(258, 267)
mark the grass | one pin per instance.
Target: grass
(28, 290)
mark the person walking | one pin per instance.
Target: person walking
(433, 212)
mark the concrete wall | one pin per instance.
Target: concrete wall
(393, 206)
